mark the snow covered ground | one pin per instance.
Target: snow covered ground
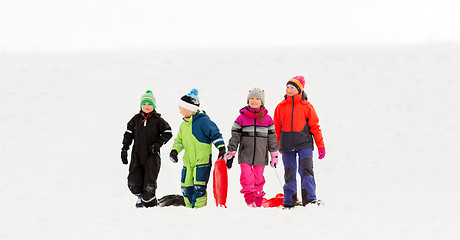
(389, 116)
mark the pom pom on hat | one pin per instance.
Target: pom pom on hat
(190, 101)
(257, 92)
(194, 94)
(298, 82)
(148, 98)
(301, 79)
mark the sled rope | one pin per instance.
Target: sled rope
(274, 169)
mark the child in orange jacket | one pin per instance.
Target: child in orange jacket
(296, 125)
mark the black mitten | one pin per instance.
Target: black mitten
(230, 162)
(156, 147)
(221, 152)
(173, 156)
(124, 156)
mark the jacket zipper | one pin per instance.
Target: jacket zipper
(145, 119)
(292, 115)
(292, 119)
(254, 155)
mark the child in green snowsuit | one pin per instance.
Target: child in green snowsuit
(196, 135)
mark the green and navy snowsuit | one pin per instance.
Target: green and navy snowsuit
(196, 137)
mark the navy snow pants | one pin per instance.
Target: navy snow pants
(305, 166)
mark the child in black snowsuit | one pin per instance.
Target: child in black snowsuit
(149, 132)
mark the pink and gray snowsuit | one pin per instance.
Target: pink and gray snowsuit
(256, 139)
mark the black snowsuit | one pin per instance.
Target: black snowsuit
(145, 130)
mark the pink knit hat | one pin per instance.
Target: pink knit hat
(298, 82)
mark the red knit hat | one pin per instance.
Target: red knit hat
(298, 82)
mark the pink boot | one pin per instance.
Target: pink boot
(249, 199)
(258, 198)
(258, 201)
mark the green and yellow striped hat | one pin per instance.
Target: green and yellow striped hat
(148, 98)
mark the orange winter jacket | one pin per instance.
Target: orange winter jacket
(296, 124)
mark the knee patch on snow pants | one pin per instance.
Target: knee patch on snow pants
(306, 167)
(194, 183)
(289, 174)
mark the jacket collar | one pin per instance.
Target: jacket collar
(252, 113)
(152, 114)
(297, 98)
(197, 115)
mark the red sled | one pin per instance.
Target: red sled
(220, 183)
(277, 201)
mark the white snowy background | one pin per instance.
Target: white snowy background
(383, 77)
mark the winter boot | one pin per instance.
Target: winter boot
(259, 197)
(139, 201)
(258, 201)
(294, 202)
(149, 199)
(313, 202)
(150, 202)
(249, 199)
(305, 200)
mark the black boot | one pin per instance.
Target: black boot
(306, 201)
(149, 199)
(149, 202)
(294, 202)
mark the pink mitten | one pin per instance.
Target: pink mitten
(321, 153)
(274, 157)
(229, 158)
(230, 154)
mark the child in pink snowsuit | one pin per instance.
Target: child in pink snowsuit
(254, 131)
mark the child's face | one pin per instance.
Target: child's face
(291, 90)
(185, 112)
(255, 102)
(147, 108)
